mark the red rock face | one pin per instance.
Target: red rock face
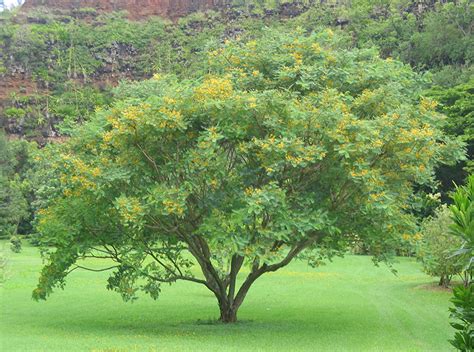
(136, 8)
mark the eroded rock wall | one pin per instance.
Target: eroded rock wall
(136, 8)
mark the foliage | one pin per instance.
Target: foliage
(458, 104)
(463, 300)
(463, 313)
(13, 202)
(15, 244)
(287, 148)
(463, 221)
(437, 246)
(446, 37)
(427, 35)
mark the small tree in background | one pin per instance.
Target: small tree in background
(436, 248)
(15, 244)
(289, 148)
(13, 203)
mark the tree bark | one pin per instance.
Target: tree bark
(228, 315)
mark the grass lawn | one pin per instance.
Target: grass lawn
(348, 305)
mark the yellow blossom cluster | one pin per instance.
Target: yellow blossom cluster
(298, 57)
(81, 176)
(173, 118)
(134, 113)
(294, 160)
(173, 207)
(252, 44)
(124, 121)
(214, 88)
(251, 191)
(377, 196)
(130, 209)
(216, 53)
(416, 133)
(214, 183)
(169, 100)
(377, 143)
(316, 48)
(428, 104)
(360, 173)
(416, 237)
(252, 102)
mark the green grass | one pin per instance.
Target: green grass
(348, 305)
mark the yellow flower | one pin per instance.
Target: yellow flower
(377, 143)
(316, 48)
(269, 169)
(252, 102)
(298, 58)
(428, 104)
(252, 44)
(359, 174)
(107, 136)
(96, 171)
(214, 88)
(169, 100)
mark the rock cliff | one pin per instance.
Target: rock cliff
(136, 8)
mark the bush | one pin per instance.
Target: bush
(437, 246)
(462, 215)
(15, 244)
(463, 312)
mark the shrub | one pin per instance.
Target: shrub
(15, 244)
(463, 312)
(437, 246)
(463, 227)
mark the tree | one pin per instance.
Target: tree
(437, 246)
(457, 103)
(289, 148)
(13, 203)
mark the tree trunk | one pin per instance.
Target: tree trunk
(228, 315)
(444, 281)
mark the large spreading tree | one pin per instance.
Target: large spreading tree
(292, 147)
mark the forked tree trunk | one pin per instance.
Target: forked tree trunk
(225, 289)
(228, 315)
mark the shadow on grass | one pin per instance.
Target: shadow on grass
(261, 326)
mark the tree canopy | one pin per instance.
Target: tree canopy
(295, 146)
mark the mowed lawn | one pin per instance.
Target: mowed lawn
(348, 305)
